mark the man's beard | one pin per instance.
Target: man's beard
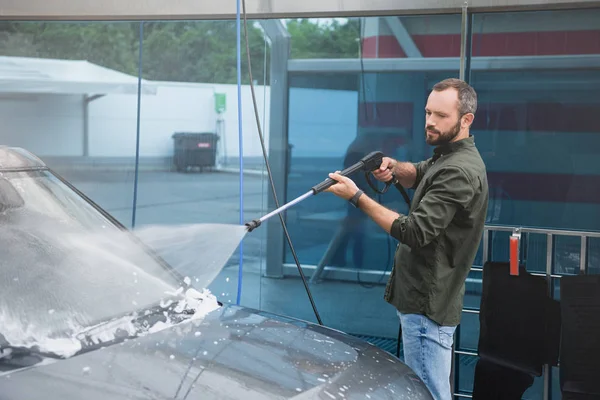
(442, 137)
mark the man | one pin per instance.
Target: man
(439, 237)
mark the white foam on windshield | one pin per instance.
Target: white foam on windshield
(58, 280)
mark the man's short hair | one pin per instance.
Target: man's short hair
(467, 97)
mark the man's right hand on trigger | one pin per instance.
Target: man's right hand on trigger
(384, 173)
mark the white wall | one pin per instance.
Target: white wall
(52, 125)
(48, 125)
(177, 107)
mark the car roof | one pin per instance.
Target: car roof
(18, 159)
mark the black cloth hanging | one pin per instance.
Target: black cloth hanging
(580, 345)
(495, 382)
(519, 332)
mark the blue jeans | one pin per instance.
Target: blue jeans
(428, 352)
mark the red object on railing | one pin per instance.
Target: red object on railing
(514, 253)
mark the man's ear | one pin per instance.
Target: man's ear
(467, 120)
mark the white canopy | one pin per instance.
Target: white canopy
(39, 75)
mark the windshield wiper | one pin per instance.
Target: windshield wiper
(104, 334)
(132, 325)
(167, 313)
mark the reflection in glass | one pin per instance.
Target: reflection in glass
(533, 129)
(69, 94)
(465, 371)
(536, 83)
(334, 119)
(189, 140)
(469, 332)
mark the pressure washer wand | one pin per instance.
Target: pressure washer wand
(370, 162)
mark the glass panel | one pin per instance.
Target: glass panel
(499, 242)
(556, 393)
(478, 262)
(534, 124)
(324, 38)
(189, 141)
(69, 95)
(536, 130)
(334, 120)
(556, 288)
(469, 332)
(567, 255)
(465, 370)
(536, 246)
(387, 37)
(473, 290)
(535, 391)
(593, 256)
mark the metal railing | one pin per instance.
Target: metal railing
(375, 276)
(522, 234)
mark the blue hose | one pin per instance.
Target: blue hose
(137, 130)
(239, 93)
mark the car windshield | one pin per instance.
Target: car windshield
(64, 266)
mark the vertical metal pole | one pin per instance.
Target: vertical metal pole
(463, 41)
(240, 145)
(468, 48)
(583, 255)
(86, 126)
(461, 72)
(464, 48)
(278, 140)
(549, 262)
(486, 247)
(137, 137)
(454, 373)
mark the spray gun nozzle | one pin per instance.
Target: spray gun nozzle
(255, 223)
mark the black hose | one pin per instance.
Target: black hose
(264, 151)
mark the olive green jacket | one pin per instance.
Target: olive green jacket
(441, 234)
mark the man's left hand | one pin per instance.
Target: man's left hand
(344, 188)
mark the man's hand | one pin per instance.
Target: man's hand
(345, 188)
(384, 173)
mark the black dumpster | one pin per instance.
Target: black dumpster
(194, 150)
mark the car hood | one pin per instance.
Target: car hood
(232, 353)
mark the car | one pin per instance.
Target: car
(89, 311)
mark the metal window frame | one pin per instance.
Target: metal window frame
(278, 143)
(259, 9)
(508, 63)
(372, 276)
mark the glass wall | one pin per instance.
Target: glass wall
(193, 64)
(58, 78)
(535, 74)
(335, 119)
(69, 94)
